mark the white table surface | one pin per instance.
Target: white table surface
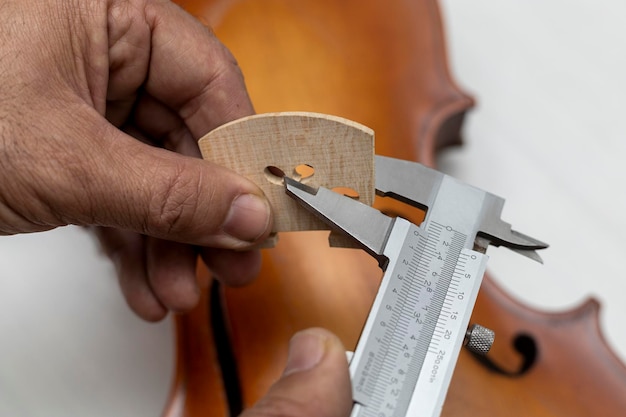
(547, 134)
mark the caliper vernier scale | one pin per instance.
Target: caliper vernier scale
(403, 362)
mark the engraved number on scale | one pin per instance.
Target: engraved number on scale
(417, 319)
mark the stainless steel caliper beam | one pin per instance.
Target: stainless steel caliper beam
(418, 186)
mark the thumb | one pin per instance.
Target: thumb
(188, 200)
(315, 383)
(123, 183)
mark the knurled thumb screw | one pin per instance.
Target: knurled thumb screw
(479, 339)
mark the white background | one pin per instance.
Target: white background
(547, 134)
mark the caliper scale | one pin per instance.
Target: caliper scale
(422, 318)
(405, 357)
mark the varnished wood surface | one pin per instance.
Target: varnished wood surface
(342, 78)
(574, 374)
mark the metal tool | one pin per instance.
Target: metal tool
(403, 362)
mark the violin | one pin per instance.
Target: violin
(382, 64)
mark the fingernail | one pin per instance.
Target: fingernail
(306, 350)
(248, 219)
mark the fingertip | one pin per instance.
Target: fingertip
(308, 347)
(233, 268)
(316, 381)
(249, 218)
(171, 270)
(139, 295)
(195, 202)
(127, 252)
(138, 292)
(151, 313)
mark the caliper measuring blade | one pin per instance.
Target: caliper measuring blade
(366, 225)
(419, 186)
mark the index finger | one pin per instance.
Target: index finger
(192, 72)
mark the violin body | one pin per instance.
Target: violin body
(381, 64)
(542, 364)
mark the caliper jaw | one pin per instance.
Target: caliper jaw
(367, 226)
(499, 233)
(417, 185)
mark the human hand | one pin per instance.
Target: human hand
(315, 383)
(101, 104)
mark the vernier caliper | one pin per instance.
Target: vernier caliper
(403, 362)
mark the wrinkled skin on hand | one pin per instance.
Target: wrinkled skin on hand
(101, 105)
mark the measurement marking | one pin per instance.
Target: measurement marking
(421, 291)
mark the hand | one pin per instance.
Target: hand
(101, 104)
(315, 383)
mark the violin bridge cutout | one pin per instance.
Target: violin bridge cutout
(347, 191)
(274, 174)
(301, 173)
(396, 208)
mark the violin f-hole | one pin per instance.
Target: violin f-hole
(523, 344)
